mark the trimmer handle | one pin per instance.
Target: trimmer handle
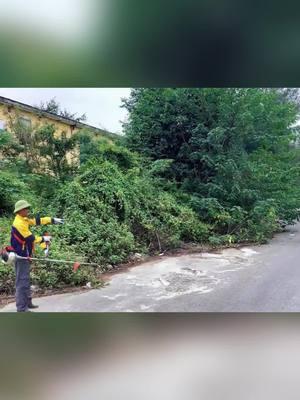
(47, 249)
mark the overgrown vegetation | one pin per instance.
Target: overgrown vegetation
(228, 150)
(212, 166)
(113, 211)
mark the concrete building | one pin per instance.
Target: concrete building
(12, 111)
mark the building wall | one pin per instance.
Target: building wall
(8, 114)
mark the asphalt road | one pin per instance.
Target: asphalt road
(258, 278)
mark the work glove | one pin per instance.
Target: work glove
(57, 221)
(47, 239)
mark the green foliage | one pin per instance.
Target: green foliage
(56, 152)
(5, 228)
(230, 153)
(262, 221)
(55, 276)
(97, 147)
(45, 274)
(41, 151)
(201, 165)
(5, 138)
(9, 149)
(7, 273)
(7, 279)
(160, 167)
(113, 208)
(12, 189)
(88, 145)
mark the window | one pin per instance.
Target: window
(25, 122)
(2, 124)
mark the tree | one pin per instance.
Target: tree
(54, 107)
(197, 128)
(5, 138)
(40, 150)
(22, 148)
(290, 95)
(9, 148)
(57, 155)
(213, 139)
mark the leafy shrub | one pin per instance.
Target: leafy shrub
(7, 279)
(262, 222)
(230, 151)
(12, 189)
(44, 274)
(112, 212)
(5, 227)
(209, 208)
(105, 149)
(53, 276)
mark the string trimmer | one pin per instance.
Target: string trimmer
(8, 256)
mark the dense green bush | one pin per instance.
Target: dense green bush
(45, 274)
(48, 275)
(92, 146)
(113, 211)
(12, 189)
(7, 279)
(227, 149)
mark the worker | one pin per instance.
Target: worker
(23, 241)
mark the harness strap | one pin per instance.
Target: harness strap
(22, 242)
(18, 239)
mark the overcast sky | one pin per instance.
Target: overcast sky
(101, 105)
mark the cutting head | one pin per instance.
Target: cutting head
(76, 265)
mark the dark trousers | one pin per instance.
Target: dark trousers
(23, 293)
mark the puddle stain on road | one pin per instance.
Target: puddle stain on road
(171, 277)
(146, 286)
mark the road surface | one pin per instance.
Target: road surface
(255, 278)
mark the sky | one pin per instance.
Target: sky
(101, 105)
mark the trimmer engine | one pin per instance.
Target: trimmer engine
(7, 255)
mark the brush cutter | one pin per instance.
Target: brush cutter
(8, 256)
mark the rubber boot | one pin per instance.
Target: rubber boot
(31, 305)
